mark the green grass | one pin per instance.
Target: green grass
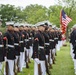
(63, 66)
(64, 63)
(29, 71)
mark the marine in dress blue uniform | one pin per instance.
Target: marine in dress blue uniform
(9, 44)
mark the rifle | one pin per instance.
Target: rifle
(50, 65)
(55, 52)
(47, 69)
(5, 41)
(46, 65)
(52, 56)
(15, 73)
(17, 65)
(53, 59)
(29, 58)
(26, 58)
(28, 42)
(39, 69)
(6, 67)
(49, 58)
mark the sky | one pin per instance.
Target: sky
(24, 3)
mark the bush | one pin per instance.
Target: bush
(3, 29)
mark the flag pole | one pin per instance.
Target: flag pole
(67, 34)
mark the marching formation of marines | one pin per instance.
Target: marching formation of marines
(22, 43)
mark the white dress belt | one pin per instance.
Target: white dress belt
(20, 41)
(11, 46)
(1, 45)
(41, 47)
(30, 38)
(55, 38)
(46, 43)
(16, 44)
(51, 40)
(26, 39)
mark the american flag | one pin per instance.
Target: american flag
(64, 20)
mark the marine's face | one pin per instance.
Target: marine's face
(33, 28)
(41, 28)
(16, 29)
(36, 29)
(9, 27)
(29, 28)
(25, 28)
(52, 30)
(21, 28)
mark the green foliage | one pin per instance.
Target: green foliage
(3, 29)
(69, 7)
(55, 14)
(35, 13)
(7, 11)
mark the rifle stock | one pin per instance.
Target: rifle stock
(7, 68)
(53, 58)
(26, 58)
(15, 70)
(18, 68)
(6, 62)
(39, 69)
(49, 58)
(17, 65)
(47, 69)
(51, 55)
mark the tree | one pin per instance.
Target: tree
(10, 12)
(54, 16)
(35, 13)
(7, 12)
(69, 7)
